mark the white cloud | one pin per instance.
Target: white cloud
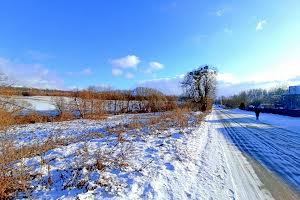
(260, 25)
(169, 86)
(30, 75)
(116, 72)
(227, 78)
(130, 61)
(85, 71)
(129, 75)
(154, 66)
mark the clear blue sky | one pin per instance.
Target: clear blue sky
(66, 44)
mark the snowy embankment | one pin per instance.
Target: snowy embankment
(138, 157)
(212, 170)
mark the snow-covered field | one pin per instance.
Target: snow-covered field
(117, 158)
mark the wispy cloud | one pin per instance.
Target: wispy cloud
(130, 61)
(285, 71)
(129, 75)
(86, 71)
(169, 86)
(228, 31)
(30, 75)
(196, 39)
(116, 72)
(38, 55)
(220, 12)
(154, 66)
(261, 25)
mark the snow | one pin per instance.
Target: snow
(273, 141)
(36, 103)
(202, 161)
(291, 123)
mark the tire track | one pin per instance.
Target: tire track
(258, 144)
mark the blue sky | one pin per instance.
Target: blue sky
(124, 44)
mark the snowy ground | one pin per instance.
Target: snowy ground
(208, 160)
(290, 123)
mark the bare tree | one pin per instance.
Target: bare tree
(7, 105)
(60, 104)
(200, 85)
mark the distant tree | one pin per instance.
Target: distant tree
(199, 85)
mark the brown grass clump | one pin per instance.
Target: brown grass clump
(199, 118)
(153, 120)
(179, 117)
(12, 178)
(6, 120)
(135, 123)
(96, 116)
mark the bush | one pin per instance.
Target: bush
(26, 94)
(6, 120)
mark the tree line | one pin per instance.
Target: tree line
(199, 88)
(255, 97)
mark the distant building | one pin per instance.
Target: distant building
(292, 98)
(294, 90)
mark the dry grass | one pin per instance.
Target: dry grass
(34, 117)
(178, 117)
(6, 120)
(12, 178)
(135, 123)
(153, 121)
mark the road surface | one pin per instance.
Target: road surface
(233, 156)
(273, 152)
